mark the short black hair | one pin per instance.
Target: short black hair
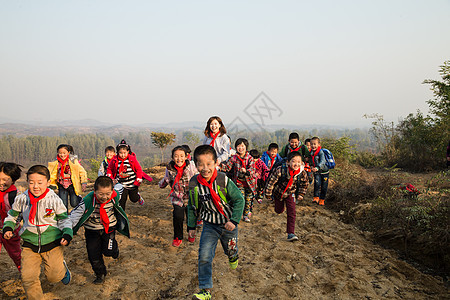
(294, 136)
(69, 148)
(179, 148)
(307, 141)
(272, 146)
(254, 153)
(12, 170)
(241, 141)
(204, 149)
(187, 148)
(293, 154)
(110, 148)
(103, 181)
(39, 169)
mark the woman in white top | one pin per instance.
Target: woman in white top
(216, 136)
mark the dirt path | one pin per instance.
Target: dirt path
(332, 260)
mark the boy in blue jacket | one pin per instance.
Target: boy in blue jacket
(321, 171)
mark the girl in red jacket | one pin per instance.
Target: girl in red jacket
(127, 174)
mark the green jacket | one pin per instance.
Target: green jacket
(84, 210)
(306, 155)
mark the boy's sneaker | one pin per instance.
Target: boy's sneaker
(141, 200)
(321, 202)
(246, 219)
(67, 277)
(191, 240)
(316, 199)
(234, 263)
(292, 237)
(202, 295)
(99, 279)
(116, 254)
(199, 223)
(176, 242)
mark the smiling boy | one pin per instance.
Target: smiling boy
(220, 204)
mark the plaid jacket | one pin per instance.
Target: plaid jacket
(235, 164)
(180, 192)
(275, 186)
(261, 170)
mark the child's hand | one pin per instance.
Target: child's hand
(192, 233)
(229, 226)
(64, 242)
(8, 235)
(243, 170)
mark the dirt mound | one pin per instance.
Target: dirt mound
(331, 260)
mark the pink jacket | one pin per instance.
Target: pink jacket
(112, 168)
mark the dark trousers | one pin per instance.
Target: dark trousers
(133, 194)
(99, 243)
(290, 211)
(65, 194)
(178, 221)
(259, 188)
(321, 185)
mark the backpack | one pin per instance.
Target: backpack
(329, 158)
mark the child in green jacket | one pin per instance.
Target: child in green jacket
(101, 215)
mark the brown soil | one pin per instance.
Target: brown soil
(332, 260)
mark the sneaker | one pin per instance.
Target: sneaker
(233, 263)
(67, 277)
(191, 240)
(115, 254)
(202, 295)
(99, 279)
(316, 199)
(321, 202)
(177, 242)
(260, 200)
(292, 237)
(246, 219)
(199, 223)
(141, 200)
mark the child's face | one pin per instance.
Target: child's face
(308, 145)
(214, 126)
(206, 165)
(63, 153)
(5, 182)
(103, 193)
(273, 152)
(179, 157)
(241, 149)
(294, 143)
(295, 163)
(109, 154)
(123, 153)
(314, 145)
(37, 184)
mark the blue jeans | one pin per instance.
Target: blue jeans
(64, 194)
(321, 185)
(211, 234)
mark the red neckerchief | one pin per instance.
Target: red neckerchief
(103, 214)
(122, 167)
(108, 160)
(292, 173)
(180, 171)
(3, 212)
(214, 137)
(272, 160)
(244, 162)
(63, 165)
(314, 155)
(215, 197)
(296, 149)
(33, 202)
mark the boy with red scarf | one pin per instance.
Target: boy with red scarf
(271, 156)
(68, 176)
(109, 154)
(46, 228)
(178, 173)
(321, 171)
(243, 167)
(288, 179)
(127, 174)
(100, 214)
(219, 203)
(9, 174)
(296, 145)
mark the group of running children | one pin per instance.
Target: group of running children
(215, 189)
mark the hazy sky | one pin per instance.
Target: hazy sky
(320, 62)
